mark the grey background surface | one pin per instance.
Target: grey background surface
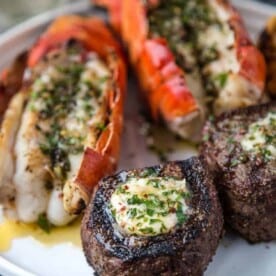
(13, 12)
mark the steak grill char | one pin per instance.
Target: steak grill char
(183, 251)
(246, 182)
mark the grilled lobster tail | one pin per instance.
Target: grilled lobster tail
(190, 56)
(100, 159)
(267, 44)
(68, 120)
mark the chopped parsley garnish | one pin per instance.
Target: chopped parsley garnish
(181, 217)
(221, 79)
(148, 172)
(234, 162)
(156, 183)
(44, 223)
(101, 126)
(230, 140)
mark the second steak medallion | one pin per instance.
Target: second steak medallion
(240, 147)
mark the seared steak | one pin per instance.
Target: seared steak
(130, 229)
(240, 147)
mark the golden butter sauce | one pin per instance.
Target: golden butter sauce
(12, 230)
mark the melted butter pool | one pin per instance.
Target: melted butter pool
(12, 230)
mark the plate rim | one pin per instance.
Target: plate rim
(80, 7)
(43, 18)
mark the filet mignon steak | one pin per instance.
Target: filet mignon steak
(162, 220)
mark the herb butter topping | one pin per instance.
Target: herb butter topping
(261, 137)
(150, 206)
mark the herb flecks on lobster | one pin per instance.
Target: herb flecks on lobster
(204, 44)
(70, 122)
(103, 155)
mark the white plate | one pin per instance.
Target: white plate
(29, 257)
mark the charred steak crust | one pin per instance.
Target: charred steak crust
(246, 184)
(183, 251)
